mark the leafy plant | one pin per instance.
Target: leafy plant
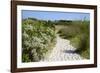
(78, 33)
(37, 38)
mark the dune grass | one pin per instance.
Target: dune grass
(78, 33)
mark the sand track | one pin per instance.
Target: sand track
(63, 51)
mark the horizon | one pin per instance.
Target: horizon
(53, 15)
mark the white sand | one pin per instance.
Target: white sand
(63, 51)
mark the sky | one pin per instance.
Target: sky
(52, 15)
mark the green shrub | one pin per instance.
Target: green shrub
(81, 42)
(37, 38)
(76, 42)
(78, 34)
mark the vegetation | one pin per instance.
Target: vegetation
(39, 37)
(78, 33)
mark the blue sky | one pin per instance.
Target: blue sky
(51, 15)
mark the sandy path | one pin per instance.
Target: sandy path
(63, 51)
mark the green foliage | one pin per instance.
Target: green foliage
(78, 34)
(25, 56)
(81, 42)
(37, 36)
(63, 22)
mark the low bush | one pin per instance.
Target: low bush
(37, 40)
(78, 34)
